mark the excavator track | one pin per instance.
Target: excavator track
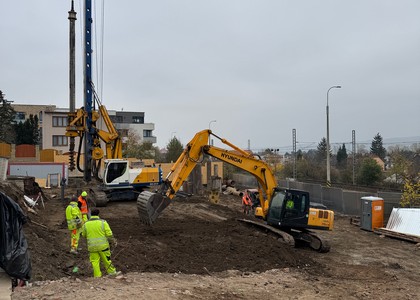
(99, 197)
(150, 205)
(295, 237)
(311, 239)
(284, 236)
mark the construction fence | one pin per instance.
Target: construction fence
(341, 201)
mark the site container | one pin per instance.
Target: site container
(25, 150)
(47, 155)
(372, 213)
(5, 150)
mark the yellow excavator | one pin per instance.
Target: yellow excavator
(284, 212)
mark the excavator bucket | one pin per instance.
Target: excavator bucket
(150, 205)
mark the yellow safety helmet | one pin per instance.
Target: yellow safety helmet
(84, 194)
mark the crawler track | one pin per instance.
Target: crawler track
(99, 197)
(294, 237)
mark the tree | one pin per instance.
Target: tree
(411, 193)
(299, 155)
(306, 166)
(377, 147)
(322, 150)
(174, 149)
(369, 173)
(342, 156)
(400, 164)
(27, 132)
(7, 117)
(137, 149)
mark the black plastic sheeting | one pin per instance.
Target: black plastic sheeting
(14, 254)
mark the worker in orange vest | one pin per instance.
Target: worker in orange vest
(246, 203)
(83, 205)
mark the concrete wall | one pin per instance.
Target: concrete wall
(46, 174)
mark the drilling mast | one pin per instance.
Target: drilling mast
(72, 78)
(88, 90)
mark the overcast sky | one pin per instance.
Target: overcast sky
(260, 68)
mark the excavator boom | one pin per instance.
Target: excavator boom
(150, 205)
(286, 213)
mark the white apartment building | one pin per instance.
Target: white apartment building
(53, 122)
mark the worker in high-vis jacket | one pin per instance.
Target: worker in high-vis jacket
(83, 205)
(98, 235)
(74, 223)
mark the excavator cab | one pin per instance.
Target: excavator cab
(115, 169)
(288, 208)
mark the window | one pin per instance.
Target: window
(147, 133)
(118, 119)
(138, 119)
(20, 117)
(59, 121)
(59, 140)
(276, 206)
(115, 170)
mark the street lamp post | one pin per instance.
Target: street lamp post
(210, 141)
(212, 121)
(328, 138)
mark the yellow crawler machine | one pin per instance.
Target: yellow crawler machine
(285, 212)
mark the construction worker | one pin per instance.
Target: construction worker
(98, 235)
(246, 203)
(290, 204)
(83, 205)
(74, 223)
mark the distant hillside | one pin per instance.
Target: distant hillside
(402, 140)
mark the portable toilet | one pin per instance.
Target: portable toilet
(372, 213)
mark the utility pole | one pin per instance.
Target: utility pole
(294, 154)
(353, 141)
(72, 77)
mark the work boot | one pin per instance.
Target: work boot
(115, 273)
(74, 251)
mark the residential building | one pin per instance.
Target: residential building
(129, 121)
(23, 111)
(53, 122)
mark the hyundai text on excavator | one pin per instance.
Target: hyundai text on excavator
(119, 181)
(292, 222)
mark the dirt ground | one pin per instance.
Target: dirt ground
(198, 250)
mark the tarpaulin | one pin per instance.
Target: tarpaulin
(14, 254)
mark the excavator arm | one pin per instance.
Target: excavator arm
(150, 205)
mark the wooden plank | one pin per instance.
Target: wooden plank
(397, 235)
